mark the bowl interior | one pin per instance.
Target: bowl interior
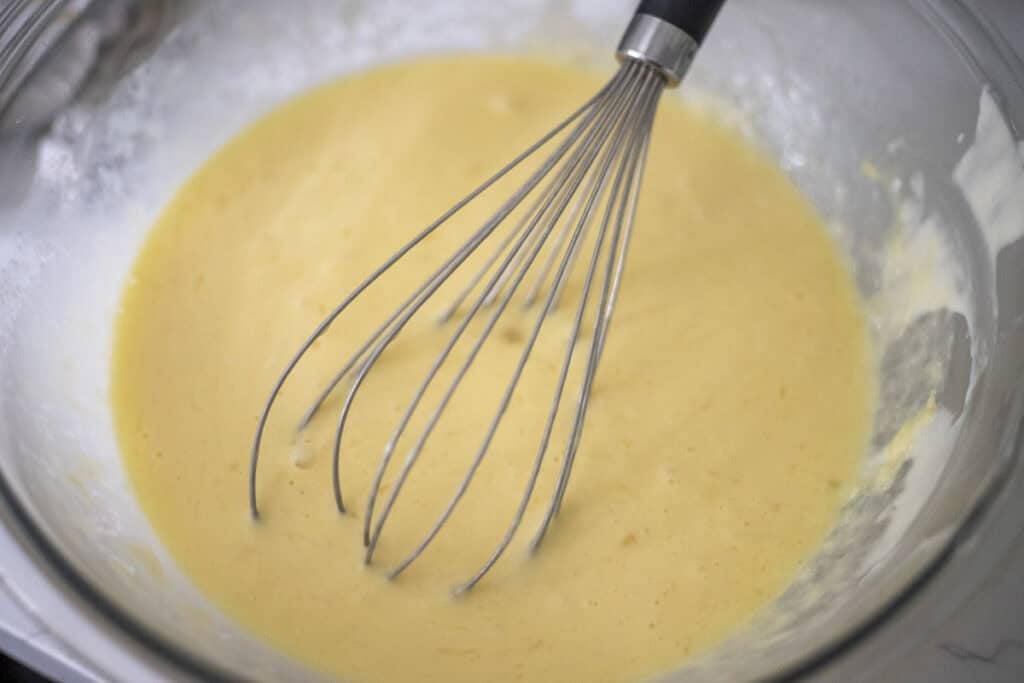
(890, 118)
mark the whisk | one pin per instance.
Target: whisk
(591, 178)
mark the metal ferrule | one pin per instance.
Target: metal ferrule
(657, 42)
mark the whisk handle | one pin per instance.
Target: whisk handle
(694, 17)
(667, 33)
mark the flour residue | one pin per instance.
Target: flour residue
(899, 449)
(991, 177)
(919, 270)
(921, 286)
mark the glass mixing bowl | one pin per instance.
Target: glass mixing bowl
(900, 120)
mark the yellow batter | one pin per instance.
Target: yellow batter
(732, 407)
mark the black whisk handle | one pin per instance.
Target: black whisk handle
(694, 17)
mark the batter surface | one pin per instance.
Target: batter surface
(730, 414)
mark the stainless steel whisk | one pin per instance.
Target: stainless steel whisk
(603, 151)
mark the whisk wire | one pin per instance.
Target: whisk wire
(603, 151)
(415, 306)
(615, 120)
(440, 273)
(582, 195)
(612, 283)
(577, 167)
(322, 328)
(629, 159)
